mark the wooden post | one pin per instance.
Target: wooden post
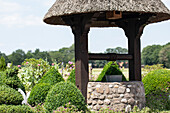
(80, 29)
(133, 30)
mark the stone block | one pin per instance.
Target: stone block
(124, 100)
(107, 101)
(109, 96)
(102, 97)
(131, 101)
(121, 89)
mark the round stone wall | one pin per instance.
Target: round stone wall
(118, 96)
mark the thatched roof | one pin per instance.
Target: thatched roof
(72, 7)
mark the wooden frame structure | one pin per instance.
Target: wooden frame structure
(80, 25)
(131, 16)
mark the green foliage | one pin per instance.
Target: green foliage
(10, 78)
(38, 93)
(9, 96)
(156, 81)
(164, 56)
(110, 69)
(68, 108)
(32, 72)
(17, 57)
(52, 77)
(156, 84)
(2, 64)
(15, 109)
(72, 77)
(150, 54)
(63, 93)
(148, 68)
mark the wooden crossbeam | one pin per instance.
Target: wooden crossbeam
(109, 56)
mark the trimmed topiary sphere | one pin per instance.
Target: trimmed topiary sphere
(72, 77)
(15, 109)
(63, 93)
(110, 69)
(157, 84)
(52, 77)
(157, 81)
(38, 93)
(9, 96)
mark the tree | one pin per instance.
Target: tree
(150, 54)
(29, 54)
(118, 50)
(17, 57)
(6, 58)
(44, 55)
(164, 56)
(2, 64)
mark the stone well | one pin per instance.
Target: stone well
(118, 96)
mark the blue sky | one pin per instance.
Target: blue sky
(21, 27)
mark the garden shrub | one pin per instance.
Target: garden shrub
(9, 96)
(10, 78)
(72, 77)
(2, 64)
(63, 93)
(38, 93)
(52, 77)
(156, 84)
(110, 68)
(15, 109)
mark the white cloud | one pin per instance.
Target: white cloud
(7, 7)
(16, 20)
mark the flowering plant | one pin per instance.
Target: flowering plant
(32, 71)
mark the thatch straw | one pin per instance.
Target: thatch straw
(71, 7)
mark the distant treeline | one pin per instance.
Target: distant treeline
(154, 54)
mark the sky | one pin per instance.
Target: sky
(22, 27)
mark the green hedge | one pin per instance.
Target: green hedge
(10, 78)
(52, 77)
(110, 68)
(157, 89)
(72, 77)
(63, 93)
(38, 93)
(15, 109)
(9, 96)
(156, 81)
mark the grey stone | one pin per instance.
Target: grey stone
(129, 85)
(116, 95)
(116, 100)
(121, 95)
(100, 102)
(110, 86)
(89, 102)
(131, 101)
(107, 90)
(109, 96)
(127, 90)
(102, 97)
(124, 100)
(98, 85)
(121, 89)
(94, 102)
(107, 101)
(116, 86)
(115, 90)
(128, 108)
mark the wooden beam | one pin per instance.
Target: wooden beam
(109, 56)
(133, 29)
(80, 25)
